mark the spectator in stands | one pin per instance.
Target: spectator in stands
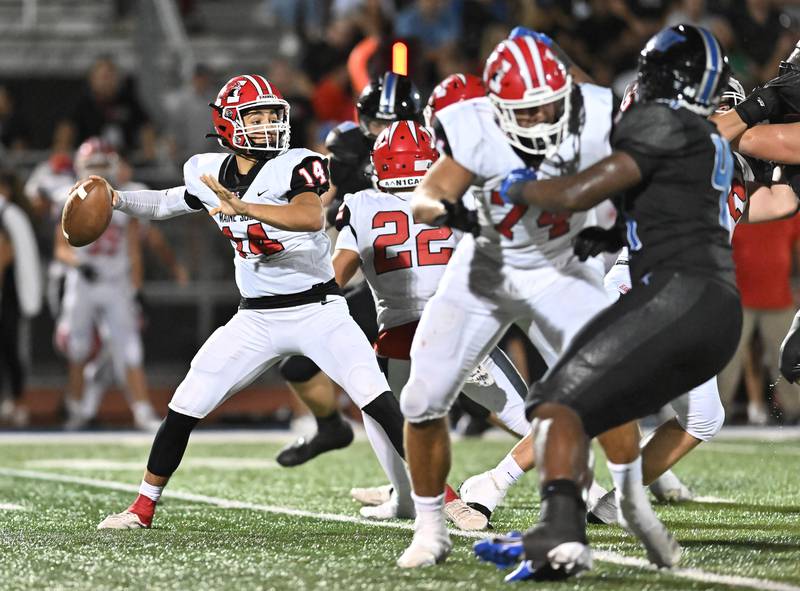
(765, 35)
(189, 119)
(110, 109)
(768, 306)
(297, 90)
(14, 131)
(436, 24)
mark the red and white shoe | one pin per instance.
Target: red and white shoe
(138, 516)
(124, 520)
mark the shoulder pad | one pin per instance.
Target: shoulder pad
(346, 142)
(649, 128)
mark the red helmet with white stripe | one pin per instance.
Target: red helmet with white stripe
(263, 139)
(96, 156)
(453, 89)
(402, 155)
(524, 74)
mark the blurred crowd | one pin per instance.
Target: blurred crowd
(327, 51)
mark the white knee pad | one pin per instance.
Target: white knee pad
(418, 405)
(700, 412)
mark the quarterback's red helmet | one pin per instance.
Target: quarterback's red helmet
(453, 89)
(523, 73)
(239, 95)
(96, 156)
(402, 155)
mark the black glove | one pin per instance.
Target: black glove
(790, 352)
(776, 98)
(763, 103)
(458, 216)
(88, 271)
(591, 241)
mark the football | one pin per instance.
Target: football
(87, 212)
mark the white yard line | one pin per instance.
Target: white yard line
(601, 555)
(11, 507)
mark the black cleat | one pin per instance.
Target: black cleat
(303, 450)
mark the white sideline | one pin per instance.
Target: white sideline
(601, 555)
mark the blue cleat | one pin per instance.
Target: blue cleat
(502, 551)
(523, 572)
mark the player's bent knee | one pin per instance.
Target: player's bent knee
(706, 424)
(419, 406)
(298, 369)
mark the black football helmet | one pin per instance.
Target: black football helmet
(684, 66)
(392, 97)
(732, 95)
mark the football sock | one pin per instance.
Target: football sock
(632, 502)
(150, 491)
(392, 462)
(328, 423)
(430, 510)
(507, 472)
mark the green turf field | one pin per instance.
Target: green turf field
(228, 523)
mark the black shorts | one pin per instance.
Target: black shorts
(362, 308)
(658, 341)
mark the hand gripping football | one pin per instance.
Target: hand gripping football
(87, 212)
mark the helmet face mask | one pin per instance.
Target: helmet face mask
(683, 66)
(392, 97)
(401, 156)
(524, 78)
(731, 96)
(262, 136)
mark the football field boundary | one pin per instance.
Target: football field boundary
(600, 555)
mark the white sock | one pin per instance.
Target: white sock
(632, 502)
(430, 510)
(507, 472)
(393, 465)
(667, 481)
(150, 491)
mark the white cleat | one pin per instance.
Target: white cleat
(668, 488)
(465, 517)
(391, 509)
(642, 522)
(372, 496)
(482, 492)
(124, 520)
(430, 546)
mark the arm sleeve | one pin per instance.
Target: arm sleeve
(158, 205)
(648, 133)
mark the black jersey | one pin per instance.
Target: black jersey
(350, 165)
(677, 216)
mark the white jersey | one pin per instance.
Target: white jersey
(269, 261)
(402, 261)
(518, 235)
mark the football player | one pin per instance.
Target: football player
(99, 296)
(390, 97)
(403, 263)
(674, 330)
(265, 198)
(753, 198)
(520, 269)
